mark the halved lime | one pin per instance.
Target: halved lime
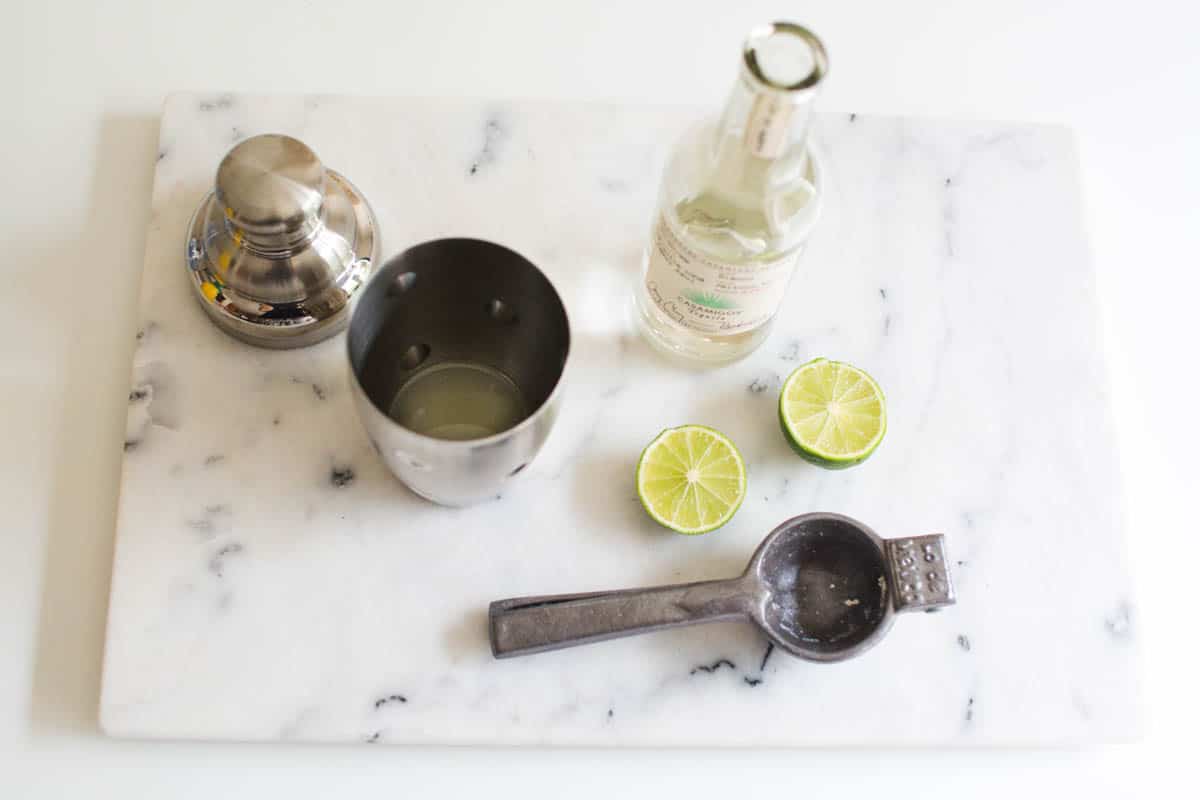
(691, 479)
(832, 414)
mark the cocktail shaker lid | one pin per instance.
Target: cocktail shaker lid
(277, 251)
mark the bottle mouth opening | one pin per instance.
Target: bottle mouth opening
(785, 57)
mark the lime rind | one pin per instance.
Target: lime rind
(814, 433)
(662, 473)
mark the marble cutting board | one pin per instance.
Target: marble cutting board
(272, 581)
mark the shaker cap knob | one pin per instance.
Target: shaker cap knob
(272, 188)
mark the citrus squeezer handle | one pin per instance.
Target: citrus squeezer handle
(524, 625)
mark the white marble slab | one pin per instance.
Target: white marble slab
(272, 581)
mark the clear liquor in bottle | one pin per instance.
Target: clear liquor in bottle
(739, 197)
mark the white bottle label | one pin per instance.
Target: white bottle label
(712, 297)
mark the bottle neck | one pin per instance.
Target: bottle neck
(766, 122)
(763, 123)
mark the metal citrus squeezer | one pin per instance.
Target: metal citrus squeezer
(821, 586)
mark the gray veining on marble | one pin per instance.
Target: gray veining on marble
(271, 579)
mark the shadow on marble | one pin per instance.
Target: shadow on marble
(98, 268)
(467, 639)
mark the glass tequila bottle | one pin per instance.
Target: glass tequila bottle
(739, 197)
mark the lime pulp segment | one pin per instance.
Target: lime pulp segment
(832, 413)
(691, 479)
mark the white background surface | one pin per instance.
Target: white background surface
(82, 92)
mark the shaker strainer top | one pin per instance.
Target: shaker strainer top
(279, 248)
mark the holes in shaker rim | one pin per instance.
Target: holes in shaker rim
(501, 312)
(414, 356)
